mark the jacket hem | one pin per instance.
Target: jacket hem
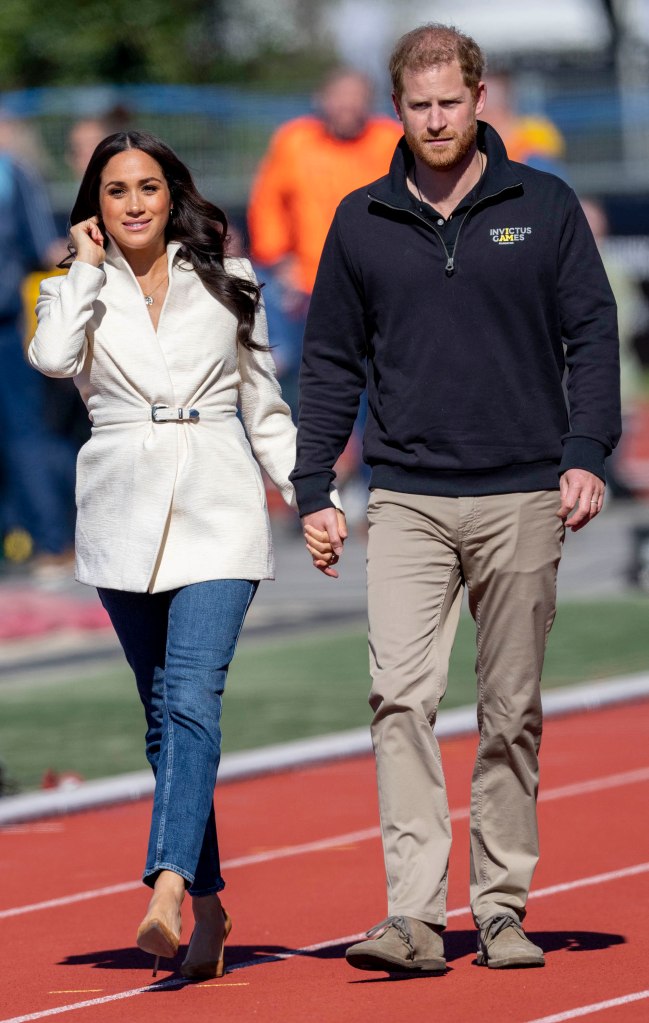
(509, 479)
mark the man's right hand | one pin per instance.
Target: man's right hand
(325, 532)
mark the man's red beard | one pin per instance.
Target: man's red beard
(448, 156)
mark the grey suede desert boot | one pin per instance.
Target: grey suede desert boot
(502, 944)
(400, 944)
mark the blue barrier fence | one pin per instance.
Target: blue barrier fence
(222, 131)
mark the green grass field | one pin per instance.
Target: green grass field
(280, 690)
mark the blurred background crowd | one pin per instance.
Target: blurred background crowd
(280, 109)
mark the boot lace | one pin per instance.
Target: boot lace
(400, 925)
(495, 926)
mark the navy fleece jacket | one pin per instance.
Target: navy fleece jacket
(463, 345)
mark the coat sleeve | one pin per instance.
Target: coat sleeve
(60, 345)
(266, 416)
(589, 330)
(333, 372)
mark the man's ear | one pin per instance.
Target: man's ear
(397, 105)
(480, 98)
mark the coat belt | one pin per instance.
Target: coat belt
(169, 414)
(156, 414)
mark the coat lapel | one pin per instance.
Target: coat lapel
(134, 344)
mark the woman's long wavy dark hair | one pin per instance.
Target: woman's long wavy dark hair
(199, 226)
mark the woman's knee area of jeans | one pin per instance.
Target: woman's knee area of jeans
(188, 683)
(152, 751)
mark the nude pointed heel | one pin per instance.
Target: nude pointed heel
(154, 934)
(211, 968)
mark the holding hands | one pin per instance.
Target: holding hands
(88, 241)
(325, 533)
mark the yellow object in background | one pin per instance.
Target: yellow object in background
(30, 290)
(18, 545)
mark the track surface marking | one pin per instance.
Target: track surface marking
(588, 1010)
(582, 882)
(587, 907)
(563, 792)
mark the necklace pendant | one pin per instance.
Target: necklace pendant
(148, 299)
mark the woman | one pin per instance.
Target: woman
(165, 338)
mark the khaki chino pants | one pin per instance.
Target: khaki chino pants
(422, 551)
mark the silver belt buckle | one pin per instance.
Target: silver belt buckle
(166, 414)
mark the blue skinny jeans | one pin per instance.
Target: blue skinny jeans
(179, 645)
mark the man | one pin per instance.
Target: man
(311, 163)
(458, 277)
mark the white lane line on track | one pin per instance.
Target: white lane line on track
(240, 861)
(569, 886)
(586, 882)
(585, 1010)
(561, 792)
(67, 900)
(583, 788)
(306, 847)
(164, 985)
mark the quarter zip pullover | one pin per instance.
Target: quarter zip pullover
(459, 331)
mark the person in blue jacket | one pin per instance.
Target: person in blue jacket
(36, 467)
(459, 289)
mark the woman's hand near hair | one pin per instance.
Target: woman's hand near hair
(88, 242)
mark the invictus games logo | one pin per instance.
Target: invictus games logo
(508, 235)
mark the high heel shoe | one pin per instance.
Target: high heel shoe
(155, 936)
(209, 968)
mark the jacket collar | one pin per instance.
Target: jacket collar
(500, 172)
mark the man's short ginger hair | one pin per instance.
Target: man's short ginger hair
(434, 45)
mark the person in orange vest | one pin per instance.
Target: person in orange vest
(529, 138)
(310, 164)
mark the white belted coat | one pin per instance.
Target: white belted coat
(164, 504)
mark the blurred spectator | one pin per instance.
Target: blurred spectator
(23, 142)
(86, 134)
(311, 163)
(628, 467)
(83, 138)
(65, 415)
(531, 139)
(640, 340)
(628, 297)
(634, 456)
(621, 477)
(35, 494)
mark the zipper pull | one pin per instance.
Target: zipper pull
(449, 269)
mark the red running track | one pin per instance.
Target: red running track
(305, 874)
